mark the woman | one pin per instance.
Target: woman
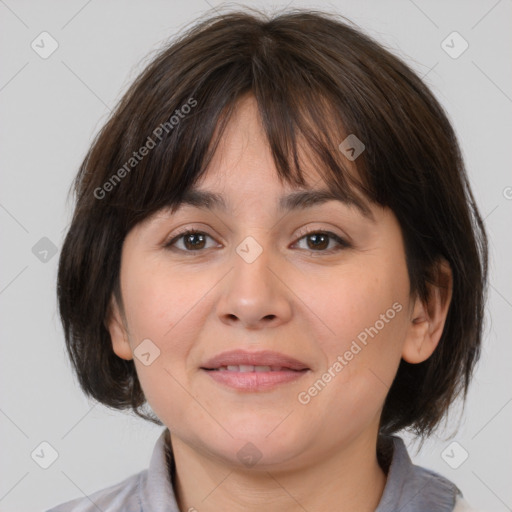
(276, 247)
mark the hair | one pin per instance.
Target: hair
(316, 78)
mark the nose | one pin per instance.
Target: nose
(254, 295)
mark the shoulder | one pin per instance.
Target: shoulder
(443, 484)
(413, 488)
(120, 497)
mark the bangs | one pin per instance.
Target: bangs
(304, 119)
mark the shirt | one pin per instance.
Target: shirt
(409, 488)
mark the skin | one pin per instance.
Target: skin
(310, 305)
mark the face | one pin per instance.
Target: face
(324, 285)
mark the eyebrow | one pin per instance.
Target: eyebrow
(300, 200)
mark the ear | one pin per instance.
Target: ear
(116, 324)
(428, 320)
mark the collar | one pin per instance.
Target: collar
(156, 492)
(409, 488)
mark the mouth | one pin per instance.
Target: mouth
(246, 368)
(248, 378)
(254, 371)
(245, 361)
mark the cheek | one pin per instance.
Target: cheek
(159, 306)
(363, 303)
(365, 308)
(158, 299)
(167, 307)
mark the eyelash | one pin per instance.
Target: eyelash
(342, 244)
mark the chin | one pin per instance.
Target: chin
(253, 446)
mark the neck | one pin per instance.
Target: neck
(346, 480)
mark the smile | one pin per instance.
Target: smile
(253, 378)
(244, 368)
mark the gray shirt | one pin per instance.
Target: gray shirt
(409, 488)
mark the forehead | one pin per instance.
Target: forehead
(243, 166)
(244, 146)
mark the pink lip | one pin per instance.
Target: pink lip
(261, 358)
(291, 369)
(254, 381)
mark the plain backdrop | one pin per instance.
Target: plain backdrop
(50, 110)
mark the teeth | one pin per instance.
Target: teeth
(262, 369)
(244, 368)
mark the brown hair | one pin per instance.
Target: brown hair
(309, 71)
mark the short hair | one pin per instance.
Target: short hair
(318, 78)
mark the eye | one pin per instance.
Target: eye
(193, 241)
(320, 241)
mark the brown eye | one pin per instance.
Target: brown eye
(192, 241)
(318, 241)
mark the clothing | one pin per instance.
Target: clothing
(408, 488)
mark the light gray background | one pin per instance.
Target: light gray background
(50, 110)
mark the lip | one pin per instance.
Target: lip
(290, 370)
(260, 358)
(254, 381)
